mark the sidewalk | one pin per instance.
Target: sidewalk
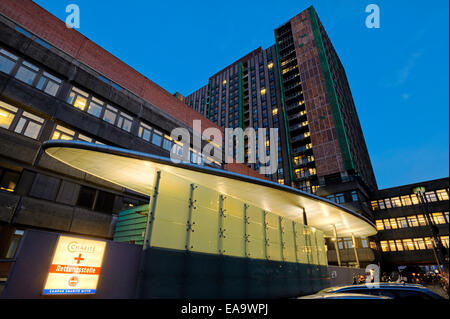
(437, 289)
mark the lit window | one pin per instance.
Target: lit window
(263, 91)
(396, 202)
(27, 73)
(442, 194)
(224, 82)
(444, 240)
(387, 224)
(95, 107)
(78, 98)
(29, 125)
(438, 218)
(406, 200)
(399, 245)
(49, 84)
(8, 179)
(62, 133)
(422, 221)
(7, 61)
(393, 223)
(380, 225)
(446, 217)
(414, 199)
(145, 131)
(281, 181)
(384, 246)
(84, 138)
(429, 243)
(275, 111)
(419, 243)
(408, 244)
(412, 221)
(270, 65)
(7, 114)
(387, 201)
(431, 196)
(392, 245)
(402, 223)
(364, 243)
(381, 204)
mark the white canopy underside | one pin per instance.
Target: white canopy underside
(136, 171)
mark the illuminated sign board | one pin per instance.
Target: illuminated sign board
(75, 267)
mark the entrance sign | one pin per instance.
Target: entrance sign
(75, 267)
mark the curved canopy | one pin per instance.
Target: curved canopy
(136, 171)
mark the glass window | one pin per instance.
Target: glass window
(392, 246)
(86, 197)
(438, 218)
(442, 194)
(393, 223)
(354, 196)
(104, 202)
(387, 224)
(49, 84)
(406, 200)
(167, 145)
(428, 243)
(396, 202)
(381, 204)
(414, 199)
(384, 245)
(431, 196)
(29, 125)
(7, 114)
(124, 121)
(379, 224)
(364, 242)
(95, 107)
(157, 138)
(446, 217)
(444, 240)
(7, 61)
(387, 201)
(408, 244)
(82, 137)
(27, 73)
(399, 245)
(419, 243)
(412, 221)
(145, 131)
(78, 98)
(62, 133)
(110, 114)
(401, 222)
(8, 180)
(422, 220)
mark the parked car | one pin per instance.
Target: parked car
(342, 296)
(391, 290)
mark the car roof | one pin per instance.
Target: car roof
(343, 296)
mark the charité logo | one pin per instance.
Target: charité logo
(75, 247)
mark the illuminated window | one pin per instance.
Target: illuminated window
(27, 72)
(406, 200)
(442, 194)
(396, 202)
(380, 225)
(49, 84)
(381, 204)
(422, 220)
(387, 224)
(78, 98)
(145, 131)
(399, 245)
(392, 246)
(419, 243)
(408, 244)
(8, 179)
(84, 138)
(281, 181)
(62, 133)
(384, 246)
(402, 223)
(446, 217)
(7, 61)
(438, 218)
(387, 201)
(445, 241)
(431, 196)
(29, 125)
(270, 65)
(412, 221)
(393, 223)
(7, 114)
(263, 91)
(224, 82)
(364, 242)
(275, 111)
(429, 243)
(414, 199)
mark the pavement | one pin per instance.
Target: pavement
(437, 289)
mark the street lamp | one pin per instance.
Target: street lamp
(439, 255)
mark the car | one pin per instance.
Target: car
(392, 290)
(343, 296)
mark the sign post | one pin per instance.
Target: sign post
(75, 267)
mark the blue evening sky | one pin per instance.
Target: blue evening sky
(398, 74)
